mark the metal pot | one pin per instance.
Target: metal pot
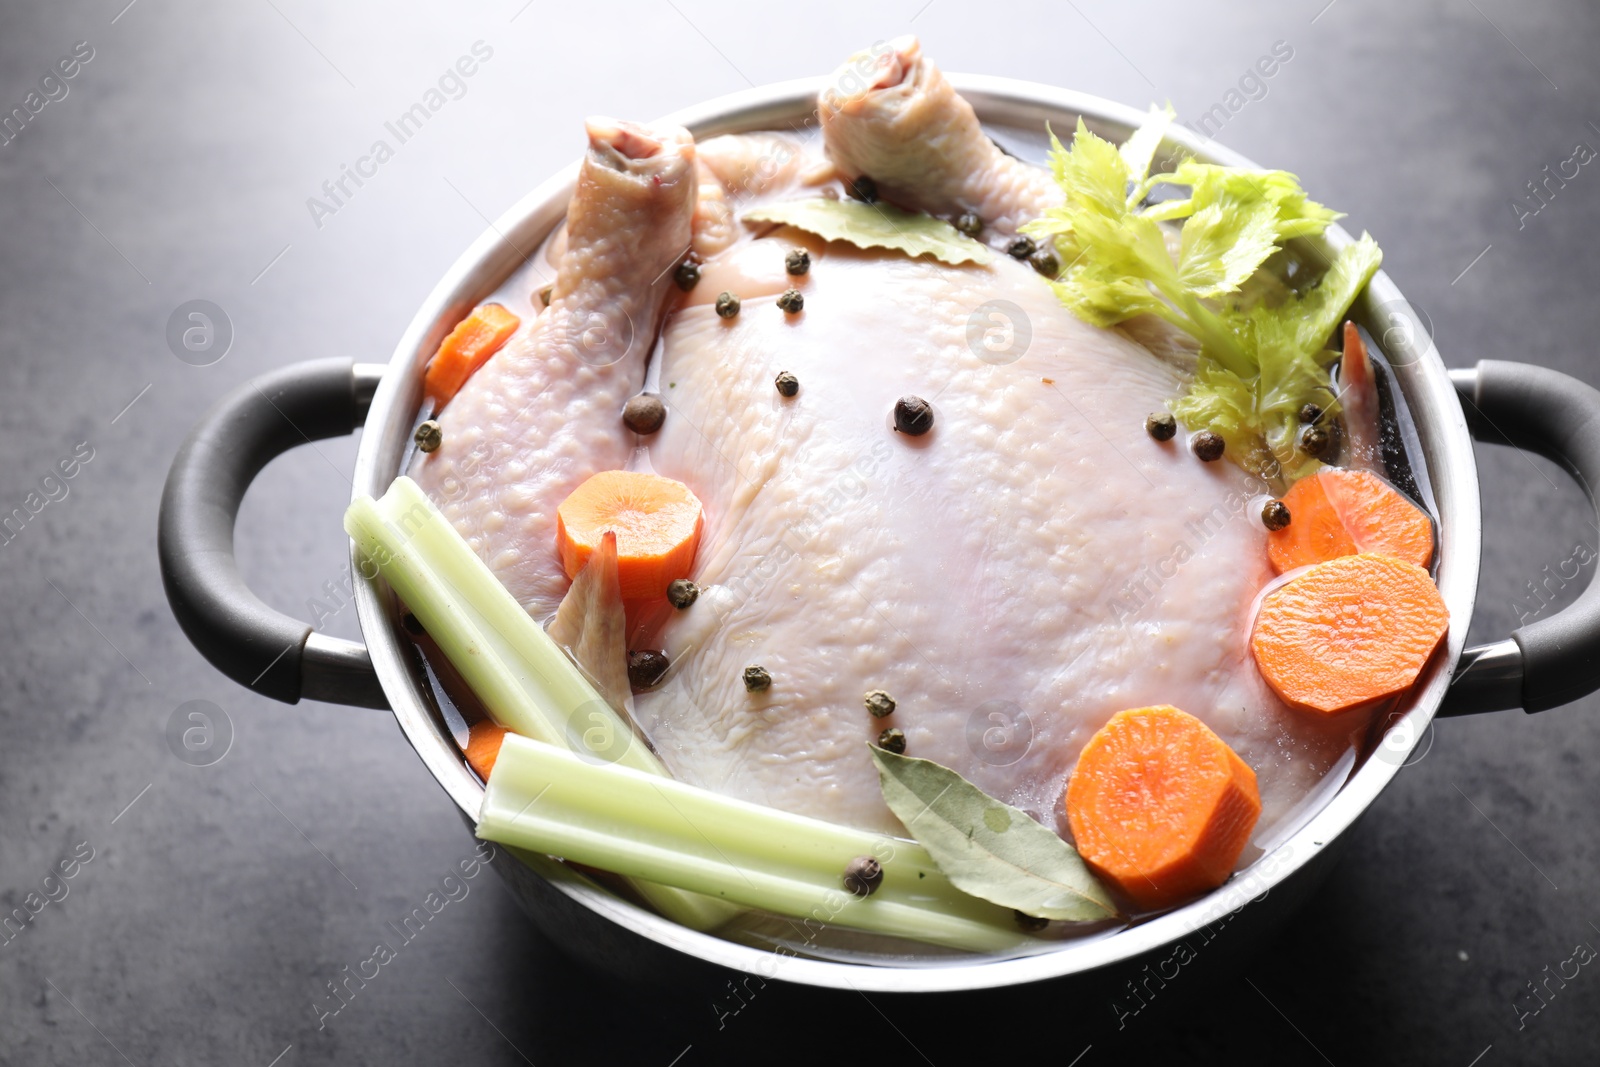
(1547, 663)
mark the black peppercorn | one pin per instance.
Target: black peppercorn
(797, 262)
(1314, 440)
(788, 384)
(687, 276)
(913, 416)
(429, 436)
(644, 413)
(1274, 514)
(757, 679)
(863, 189)
(893, 740)
(879, 703)
(681, 592)
(727, 305)
(1208, 445)
(1021, 248)
(1031, 923)
(969, 224)
(1045, 263)
(791, 301)
(646, 667)
(1311, 413)
(1161, 425)
(862, 876)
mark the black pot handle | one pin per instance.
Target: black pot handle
(255, 645)
(1554, 661)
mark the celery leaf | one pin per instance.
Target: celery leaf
(1260, 363)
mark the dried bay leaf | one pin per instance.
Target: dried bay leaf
(990, 849)
(875, 226)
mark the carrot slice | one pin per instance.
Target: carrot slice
(468, 346)
(657, 522)
(483, 746)
(1160, 806)
(1339, 512)
(1315, 532)
(1348, 632)
(1380, 519)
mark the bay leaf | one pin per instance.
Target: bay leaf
(875, 226)
(990, 849)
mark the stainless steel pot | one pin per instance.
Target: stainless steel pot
(1545, 664)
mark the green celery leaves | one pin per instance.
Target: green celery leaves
(1259, 363)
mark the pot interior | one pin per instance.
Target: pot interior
(1016, 114)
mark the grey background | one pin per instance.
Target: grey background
(222, 899)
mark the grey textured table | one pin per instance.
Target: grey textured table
(219, 900)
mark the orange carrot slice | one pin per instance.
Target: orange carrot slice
(483, 746)
(1348, 632)
(657, 522)
(1160, 806)
(1315, 532)
(1340, 512)
(468, 346)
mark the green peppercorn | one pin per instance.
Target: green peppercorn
(429, 436)
(1045, 263)
(1031, 923)
(1208, 446)
(969, 224)
(893, 740)
(788, 384)
(1310, 413)
(792, 302)
(757, 679)
(1274, 514)
(644, 413)
(727, 305)
(863, 189)
(879, 703)
(1021, 248)
(646, 668)
(545, 293)
(681, 592)
(1161, 425)
(687, 276)
(913, 416)
(862, 876)
(1314, 440)
(797, 262)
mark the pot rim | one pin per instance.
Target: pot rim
(1420, 372)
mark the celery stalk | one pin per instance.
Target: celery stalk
(527, 682)
(523, 678)
(604, 815)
